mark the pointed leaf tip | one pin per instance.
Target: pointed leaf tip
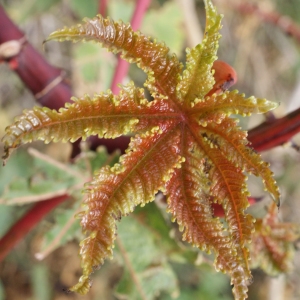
(278, 201)
(264, 105)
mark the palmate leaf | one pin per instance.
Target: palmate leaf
(272, 248)
(184, 143)
(115, 192)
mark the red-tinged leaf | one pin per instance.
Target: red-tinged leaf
(184, 143)
(272, 248)
(232, 143)
(135, 47)
(114, 192)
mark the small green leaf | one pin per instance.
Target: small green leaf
(200, 282)
(121, 10)
(169, 16)
(154, 220)
(94, 65)
(87, 8)
(147, 271)
(36, 177)
(66, 228)
(20, 166)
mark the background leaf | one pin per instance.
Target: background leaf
(147, 271)
(66, 228)
(168, 16)
(33, 177)
(85, 8)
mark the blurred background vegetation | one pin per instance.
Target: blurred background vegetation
(150, 261)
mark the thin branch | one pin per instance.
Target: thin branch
(283, 22)
(34, 198)
(131, 269)
(35, 153)
(55, 242)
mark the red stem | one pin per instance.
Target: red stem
(33, 69)
(26, 223)
(122, 65)
(102, 7)
(274, 133)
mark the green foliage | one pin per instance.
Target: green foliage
(148, 271)
(85, 8)
(65, 229)
(92, 66)
(19, 169)
(272, 246)
(120, 10)
(169, 16)
(189, 276)
(38, 178)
